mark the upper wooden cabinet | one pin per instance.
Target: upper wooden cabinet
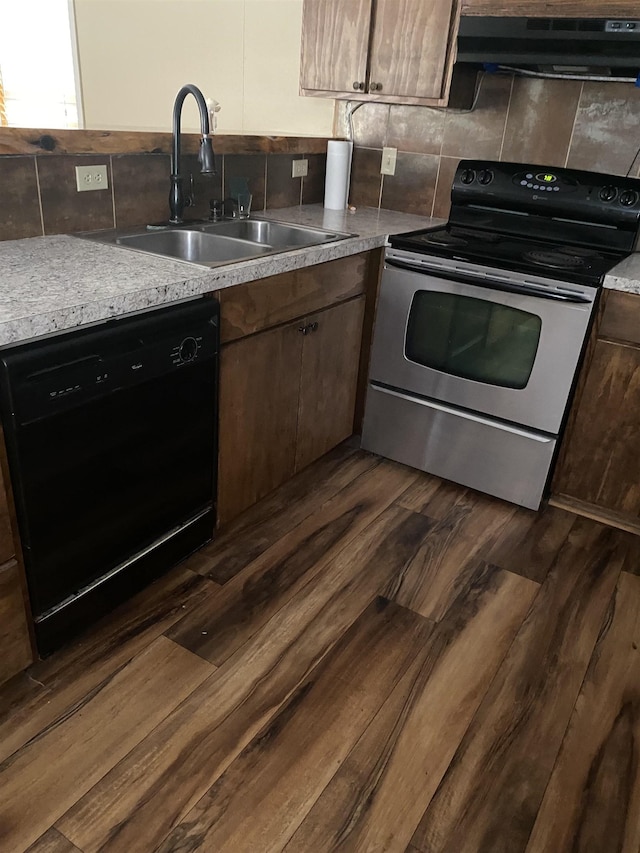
(555, 9)
(392, 51)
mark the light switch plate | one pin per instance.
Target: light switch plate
(91, 178)
(300, 169)
(388, 165)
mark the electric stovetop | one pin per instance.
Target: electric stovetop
(577, 264)
(559, 223)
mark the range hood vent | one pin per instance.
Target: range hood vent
(590, 46)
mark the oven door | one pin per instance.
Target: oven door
(503, 347)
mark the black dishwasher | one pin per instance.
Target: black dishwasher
(111, 436)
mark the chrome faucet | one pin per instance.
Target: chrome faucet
(177, 202)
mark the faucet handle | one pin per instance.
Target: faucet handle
(216, 209)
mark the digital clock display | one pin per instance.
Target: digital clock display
(546, 178)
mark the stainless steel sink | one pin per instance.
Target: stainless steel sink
(195, 246)
(276, 234)
(214, 243)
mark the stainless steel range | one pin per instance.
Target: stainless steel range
(481, 323)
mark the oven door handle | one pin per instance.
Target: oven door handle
(492, 283)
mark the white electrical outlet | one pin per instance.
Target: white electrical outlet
(91, 178)
(389, 156)
(300, 169)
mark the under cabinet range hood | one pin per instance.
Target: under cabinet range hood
(606, 47)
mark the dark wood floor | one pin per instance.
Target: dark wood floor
(368, 660)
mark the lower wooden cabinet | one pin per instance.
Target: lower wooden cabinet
(328, 380)
(287, 396)
(15, 642)
(16, 651)
(259, 387)
(599, 464)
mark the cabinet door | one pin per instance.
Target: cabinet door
(601, 465)
(15, 644)
(409, 48)
(328, 382)
(335, 42)
(259, 385)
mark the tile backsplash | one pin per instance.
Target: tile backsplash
(39, 196)
(582, 125)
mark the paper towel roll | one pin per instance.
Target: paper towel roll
(336, 186)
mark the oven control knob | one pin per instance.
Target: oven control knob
(485, 176)
(608, 193)
(629, 198)
(468, 176)
(188, 349)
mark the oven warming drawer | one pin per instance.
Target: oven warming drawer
(508, 462)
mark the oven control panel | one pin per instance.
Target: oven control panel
(548, 191)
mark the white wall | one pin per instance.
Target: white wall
(134, 56)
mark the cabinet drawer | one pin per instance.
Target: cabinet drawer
(621, 317)
(15, 643)
(259, 305)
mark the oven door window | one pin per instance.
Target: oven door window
(472, 338)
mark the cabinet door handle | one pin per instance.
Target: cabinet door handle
(313, 327)
(375, 87)
(359, 87)
(304, 329)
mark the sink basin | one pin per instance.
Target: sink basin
(195, 246)
(214, 243)
(276, 234)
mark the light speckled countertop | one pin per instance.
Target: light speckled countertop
(49, 284)
(626, 276)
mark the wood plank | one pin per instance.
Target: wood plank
(258, 305)
(335, 44)
(593, 799)
(21, 140)
(260, 526)
(555, 9)
(602, 462)
(216, 629)
(155, 787)
(68, 679)
(596, 513)
(53, 842)
(621, 317)
(262, 798)
(432, 496)
(376, 798)
(450, 554)
(530, 542)
(15, 642)
(259, 386)
(75, 754)
(491, 793)
(406, 59)
(328, 380)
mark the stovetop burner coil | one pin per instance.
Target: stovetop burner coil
(555, 259)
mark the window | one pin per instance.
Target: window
(37, 64)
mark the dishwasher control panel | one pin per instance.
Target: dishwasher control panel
(74, 367)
